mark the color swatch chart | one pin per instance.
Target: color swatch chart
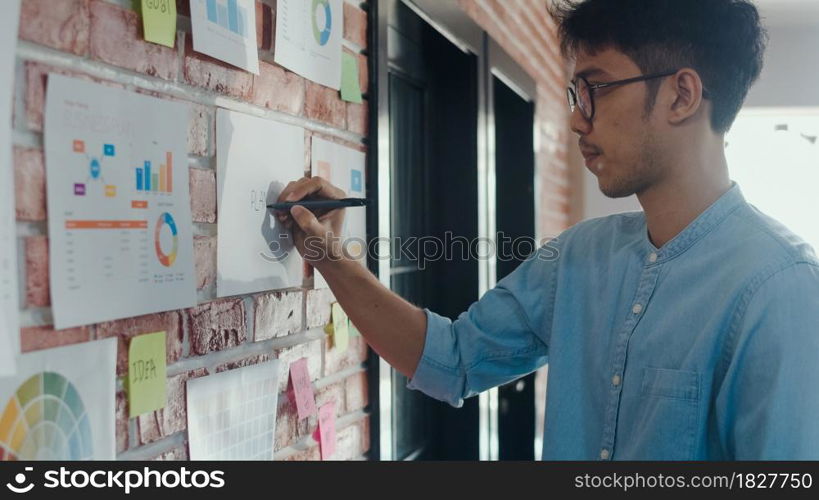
(232, 415)
(229, 15)
(120, 228)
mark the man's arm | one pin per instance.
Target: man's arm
(767, 407)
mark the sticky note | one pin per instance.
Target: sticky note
(302, 389)
(350, 83)
(146, 374)
(327, 430)
(159, 21)
(352, 330)
(341, 338)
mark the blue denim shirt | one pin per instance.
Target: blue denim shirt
(704, 349)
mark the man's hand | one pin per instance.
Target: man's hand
(317, 236)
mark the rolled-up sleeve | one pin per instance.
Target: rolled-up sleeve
(768, 407)
(501, 337)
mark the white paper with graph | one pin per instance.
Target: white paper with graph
(232, 415)
(344, 168)
(226, 30)
(60, 404)
(256, 158)
(118, 203)
(308, 39)
(9, 307)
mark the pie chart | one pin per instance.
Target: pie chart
(322, 21)
(45, 419)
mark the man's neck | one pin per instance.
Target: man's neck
(670, 206)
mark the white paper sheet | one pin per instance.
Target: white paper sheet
(119, 207)
(256, 159)
(226, 30)
(308, 39)
(232, 415)
(60, 405)
(345, 169)
(9, 307)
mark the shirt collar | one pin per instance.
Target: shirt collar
(699, 227)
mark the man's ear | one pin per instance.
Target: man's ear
(686, 95)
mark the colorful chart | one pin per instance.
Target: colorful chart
(322, 30)
(94, 169)
(45, 420)
(161, 181)
(228, 15)
(168, 259)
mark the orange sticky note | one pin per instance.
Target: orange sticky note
(327, 430)
(302, 389)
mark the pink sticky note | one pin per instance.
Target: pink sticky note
(302, 389)
(327, 430)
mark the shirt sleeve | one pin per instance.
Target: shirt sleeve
(501, 337)
(768, 407)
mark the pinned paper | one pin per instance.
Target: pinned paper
(327, 430)
(341, 337)
(302, 389)
(146, 374)
(350, 83)
(159, 21)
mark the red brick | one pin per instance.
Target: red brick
(277, 314)
(363, 74)
(355, 389)
(355, 25)
(250, 361)
(204, 257)
(203, 195)
(212, 74)
(335, 361)
(174, 417)
(29, 184)
(59, 24)
(288, 427)
(278, 89)
(287, 355)
(200, 130)
(319, 307)
(121, 421)
(126, 329)
(349, 442)
(312, 454)
(357, 118)
(37, 338)
(179, 454)
(333, 392)
(116, 38)
(325, 105)
(37, 277)
(217, 326)
(264, 26)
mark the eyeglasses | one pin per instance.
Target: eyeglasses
(581, 93)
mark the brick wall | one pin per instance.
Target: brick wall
(526, 32)
(101, 41)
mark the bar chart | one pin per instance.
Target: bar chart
(156, 180)
(229, 15)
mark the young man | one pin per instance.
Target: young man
(687, 332)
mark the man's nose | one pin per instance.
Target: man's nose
(579, 124)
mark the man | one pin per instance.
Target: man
(687, 332)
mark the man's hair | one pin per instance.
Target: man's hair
(722, 40)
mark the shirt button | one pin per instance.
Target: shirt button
(615, 380)
(637, 308)
(604, 454)
(652, 258)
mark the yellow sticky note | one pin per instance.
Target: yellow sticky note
(350, 83)
(341, 338)
(353, 330)
(147, 390)
(159, 21)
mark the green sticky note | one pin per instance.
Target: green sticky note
(146, 374)
(159, 21)
(341, 336)
(353, 330)
(350, 84)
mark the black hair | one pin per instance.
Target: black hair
(722, 40)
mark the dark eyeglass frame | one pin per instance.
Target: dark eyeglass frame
(574, 101)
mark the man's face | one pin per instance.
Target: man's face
(620, 144)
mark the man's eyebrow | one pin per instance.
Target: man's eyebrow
(590, 72)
